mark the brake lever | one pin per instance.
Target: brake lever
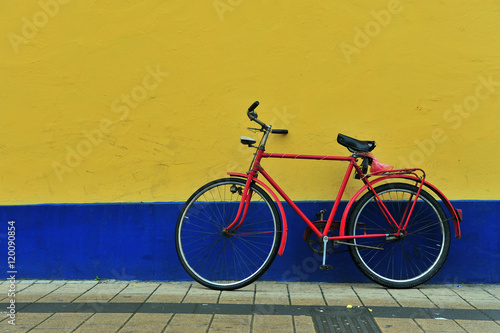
(254, 130)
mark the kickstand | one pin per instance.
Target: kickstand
(324, 266)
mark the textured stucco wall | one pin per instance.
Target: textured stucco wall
(129, 101)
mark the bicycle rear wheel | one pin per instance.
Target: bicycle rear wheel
(408, 260)
(224, 260)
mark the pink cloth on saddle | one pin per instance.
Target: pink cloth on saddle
(378, 166)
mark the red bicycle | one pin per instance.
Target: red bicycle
(230, 230)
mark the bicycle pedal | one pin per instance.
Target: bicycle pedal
(325, 267)
(321, 213)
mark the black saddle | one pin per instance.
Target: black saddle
(355, 145)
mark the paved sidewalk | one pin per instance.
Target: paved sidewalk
(131, 306)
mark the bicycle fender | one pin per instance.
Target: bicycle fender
(284, 228)
(456, 214)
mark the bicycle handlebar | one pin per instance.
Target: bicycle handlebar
(253, 106)
(253, 116)
(279, 131)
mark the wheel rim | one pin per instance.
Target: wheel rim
(217, 257)
(414, 254)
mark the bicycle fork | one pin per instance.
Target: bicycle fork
(246, 197)
(247, 192)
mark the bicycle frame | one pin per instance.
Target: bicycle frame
(408, 174)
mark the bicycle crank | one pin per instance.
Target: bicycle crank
(314, 242)
(324, 266)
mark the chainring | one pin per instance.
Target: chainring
(314, 242)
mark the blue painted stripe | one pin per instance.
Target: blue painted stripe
(135, 241)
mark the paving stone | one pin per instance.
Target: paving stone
(305, 294)
(437, 290)
(303, 324)
(200, 294)
(269, 324)
(58, 281)
(142, 287)
(35, 291)
(97, 328)
(450, 302)
(485, 304)
(101, 293)
(478, 297)
(50, 330)
(192, 323)
(405, 293)
(479, 326)
(271, 293)
(66, 293)
(411, 298)
(438, 325)
(422, 302)
(244, 295)
(25, 281)
(5, 287)
(100, 322)
(231, 323)
(493, 290)
(172, 292)
(108, 319)
(473, 292)
(340, 294)
(147, 322)
(24, 322)
(64, 321)
(374, 296)
(397, 325)
(135, 292)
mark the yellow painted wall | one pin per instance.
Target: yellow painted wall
(126, 101)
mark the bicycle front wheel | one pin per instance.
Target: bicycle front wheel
(407, 260)
(221, 259)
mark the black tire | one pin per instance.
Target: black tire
(405, 261)
(218, 259)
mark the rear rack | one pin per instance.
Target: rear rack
(412, 171)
